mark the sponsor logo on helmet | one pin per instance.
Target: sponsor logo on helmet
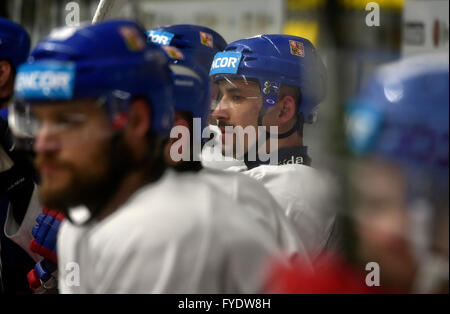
(47, 81)
(132, 38)
(226, 62)
(206, 39)
(297, 48)
(160, 38)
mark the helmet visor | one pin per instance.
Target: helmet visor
(70, 123)
(234, 91)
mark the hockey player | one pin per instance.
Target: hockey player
(398, 133)
(97, 101)
(275, 81)
(18, 196)
(191, 50)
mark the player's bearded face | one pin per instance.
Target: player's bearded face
(79, 164)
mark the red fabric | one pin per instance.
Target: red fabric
(53, 212)
(34, 281)
(119, 121)
(331, 275)
(43, 251)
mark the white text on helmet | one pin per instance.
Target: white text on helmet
(43, 80)
(225, 62)
(160, 39)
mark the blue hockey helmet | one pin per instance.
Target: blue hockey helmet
(200, 42)
(111, 60)
(14, 42)
(275, 60)
(191, 49)
(401, 115)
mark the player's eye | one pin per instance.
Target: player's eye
(237, 98)
(69, 120)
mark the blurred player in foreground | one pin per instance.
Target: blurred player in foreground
(398, 188)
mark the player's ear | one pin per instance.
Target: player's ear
(139, 118)
(180, 121)
(5, 72)
(287, 108)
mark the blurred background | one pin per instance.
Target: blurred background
(353, 37)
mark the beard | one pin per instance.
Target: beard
(84, 187)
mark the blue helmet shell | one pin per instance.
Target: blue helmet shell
(199, 42)
(14, 42)
(195, 46)
(98, 60)
(401, 114)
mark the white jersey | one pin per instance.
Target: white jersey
(172, 236)
(304, 193)
(254, 198)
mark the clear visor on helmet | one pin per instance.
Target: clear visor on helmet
(69, 123)
(234, 91)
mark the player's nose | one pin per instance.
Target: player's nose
(46, 140)
(221, 112)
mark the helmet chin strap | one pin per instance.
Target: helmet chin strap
(270, 91)
(259, 139)
(296, 127)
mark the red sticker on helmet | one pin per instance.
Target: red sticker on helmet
(206, 39)
(173, 52)
(132, 38)
(297, 48)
